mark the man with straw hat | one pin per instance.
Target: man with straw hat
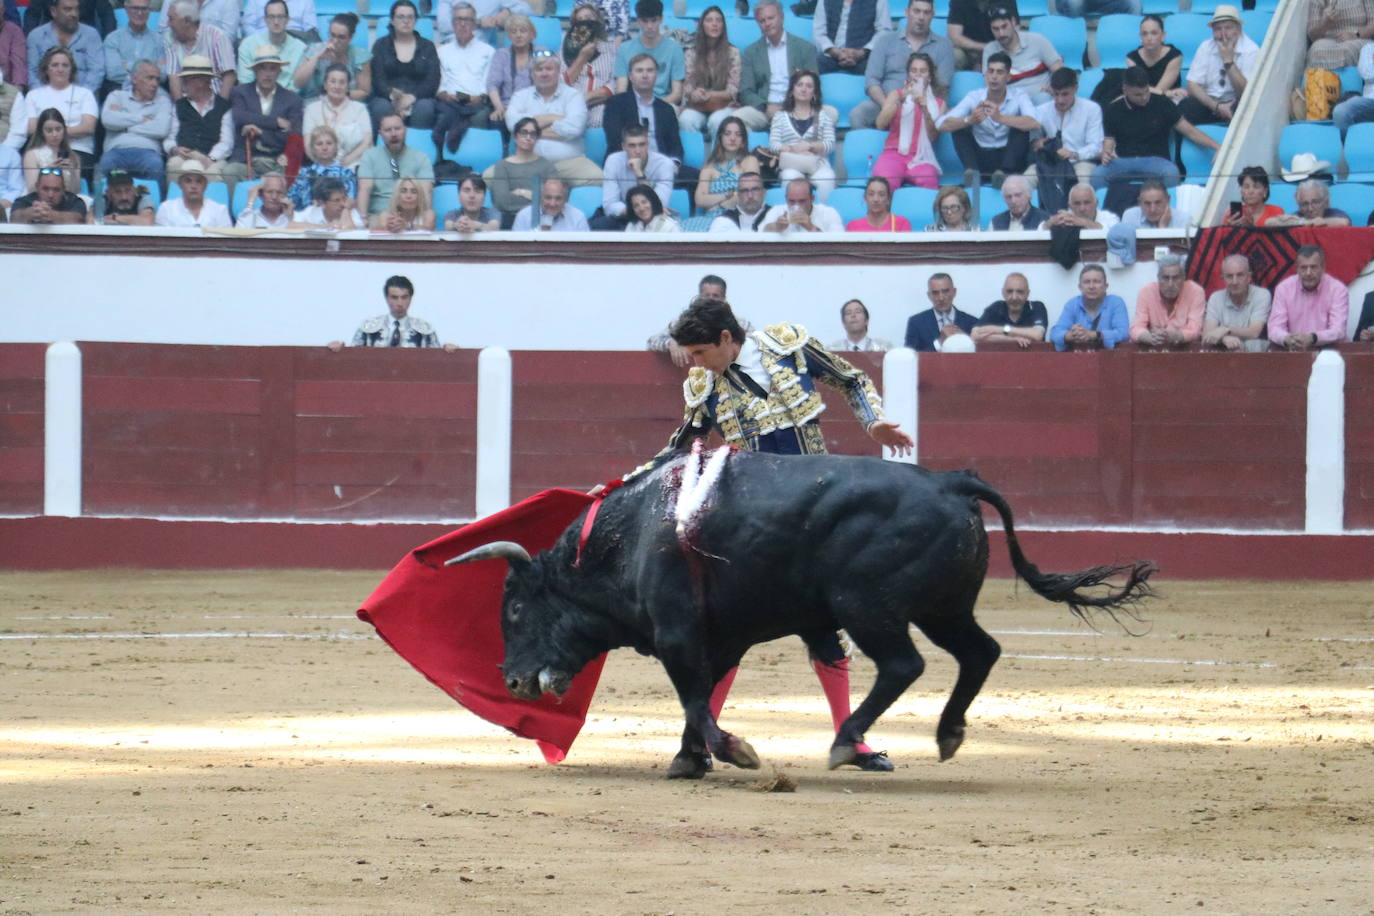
(265, 116)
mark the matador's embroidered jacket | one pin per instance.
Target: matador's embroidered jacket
(783, 419)
(414, 332)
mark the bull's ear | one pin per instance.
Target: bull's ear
(509, 551)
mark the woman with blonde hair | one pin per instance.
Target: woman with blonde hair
(60, 90)
(409, 211)
(323, 147)
(713, 74)
(803, 135)
(510, 69)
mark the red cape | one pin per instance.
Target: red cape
(446, 621)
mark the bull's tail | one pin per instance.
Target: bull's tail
(1071, 588)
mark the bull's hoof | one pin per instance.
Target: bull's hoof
(689, 766)
(949, 744)
(738, 752)
(842, 755)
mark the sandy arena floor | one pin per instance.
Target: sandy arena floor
(240, 742)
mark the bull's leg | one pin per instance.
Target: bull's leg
(976, 652)
(691, 675)
(898, 664)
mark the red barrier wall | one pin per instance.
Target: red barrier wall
(1359, 440)
(21, 428)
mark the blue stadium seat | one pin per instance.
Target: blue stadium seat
(480, 148)
(950, 166)
(1267, 6)
(586, 198)
(1285, 195)
(991, 203)
(330, 7)
(422, 139)
(595, 142)
(1355, 199)
(154, 192)
(758, 138)
(693, 148)
(862, 147)
(842, 91)
(1069, 37)
(548, 31)
(964, 82)
(773, 196)
(1255, 24)
(694, 8)
(1359, 153)
(240, 195)
(681, 202)
(1322, 140)
(1029, 9)
(1204, 6)
(445, 199)
(1197, 160)
(742, 32)
(1186, 31)
(1351, 81)
(121, 18)
(1117, 36)
(916, 204)
(1088, 80)
(425, 27)
(849, 202)
(1159, 7)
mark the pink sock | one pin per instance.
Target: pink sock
(722, 691)
(835, 684)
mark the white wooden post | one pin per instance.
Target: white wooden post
(900, 396)
(62, 430)
(1326, 444)
(494, 401)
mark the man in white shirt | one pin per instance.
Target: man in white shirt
(1220, 71)
(1083, 211)
(562, 115)
(800, 213)
(635, 164)
(992, 125)
(1154, 210)
(491, 18)
(1033, 58)
(302, 24)
(461, 101)
(555, 213)
(1360, 108)
(854, 317)
(1072, 139)
(274, 210)
(845, 31)
(749, 217)
(192, 209)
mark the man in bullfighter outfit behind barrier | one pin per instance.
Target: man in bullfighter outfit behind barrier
(759, 391)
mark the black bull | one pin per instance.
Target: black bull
(782, 545)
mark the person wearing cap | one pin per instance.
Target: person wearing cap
(1092, 9)
(289, 49)
(187, 36)
(265, 113)
(1360, 108)
(126, 46)
(137, 122)
(1033, 58)
(1220, 71)
(50, 203)
(193, 209)
(126, 204)
(202, 122)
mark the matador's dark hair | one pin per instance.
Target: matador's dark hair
(703, 321)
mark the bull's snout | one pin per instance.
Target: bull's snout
(533, 686)
(524, 688)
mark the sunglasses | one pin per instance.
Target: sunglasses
(542, 53)
(50, 171)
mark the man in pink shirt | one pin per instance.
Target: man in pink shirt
(1168, 312)
(1310, 310)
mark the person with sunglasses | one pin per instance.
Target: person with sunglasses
(50, 203)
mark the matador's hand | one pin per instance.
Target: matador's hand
(887, 432)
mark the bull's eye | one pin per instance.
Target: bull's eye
(513, 612)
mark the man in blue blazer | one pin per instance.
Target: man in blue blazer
(941, 320)
(633, 106)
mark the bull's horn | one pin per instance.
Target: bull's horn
(496, 550)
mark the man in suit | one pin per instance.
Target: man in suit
(941, 321)
(768, 64)
(261, 138)
(638, 105)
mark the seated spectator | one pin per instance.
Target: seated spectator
(187, 36)
(1019, 215)
(126, 204)
(728, 160)
(803, 135)
(991, 126)
(953, 211)
(14, 70)
(646, 212)
(1220, 71)
(289, 49)
(879, 218)
(472, 214)
(409, 209)
(1033, 58)
(711, 86)
(1015, 318)
(55, 88)
(1168, 312)
(1360, 108)
(1082, 211)
(48, 148)
(1238, 314)
(969, 31)
(1137, 128)
(338, 51)
(405, 71)
(348, 120)
(669, 61)
(1254, 208)
(749, 213)
(845, 31)
(1093, 319)
(909, 114)
(633, 166)
(301, 23)
(324, 163)
(330, 209)
(12, 185)
(137, 123)
(1314, 208)
(1080, 9)
(1311, 309)
(554, 214)
(637, 105)
(1154, 211)
(1364, 328)
(126, 46)
(462, 98)
(854, 317)
(589, 55)
(227, 16)
(1162, 62)
(260, 146)
(193, 209)
(761, 91)
(1338, 30)
(274, 209)
(516, 179)
(927, 331)
(1072, 142)
(889, 65)
(81, 42)
(202, 122)
(708, 287)
(510, 66)
(562, 118)
(98, 14)
(397, 328)
(382, 166)
(492, 17)
(800, 212)
(50, 203)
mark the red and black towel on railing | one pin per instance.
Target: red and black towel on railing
(1272, 252)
